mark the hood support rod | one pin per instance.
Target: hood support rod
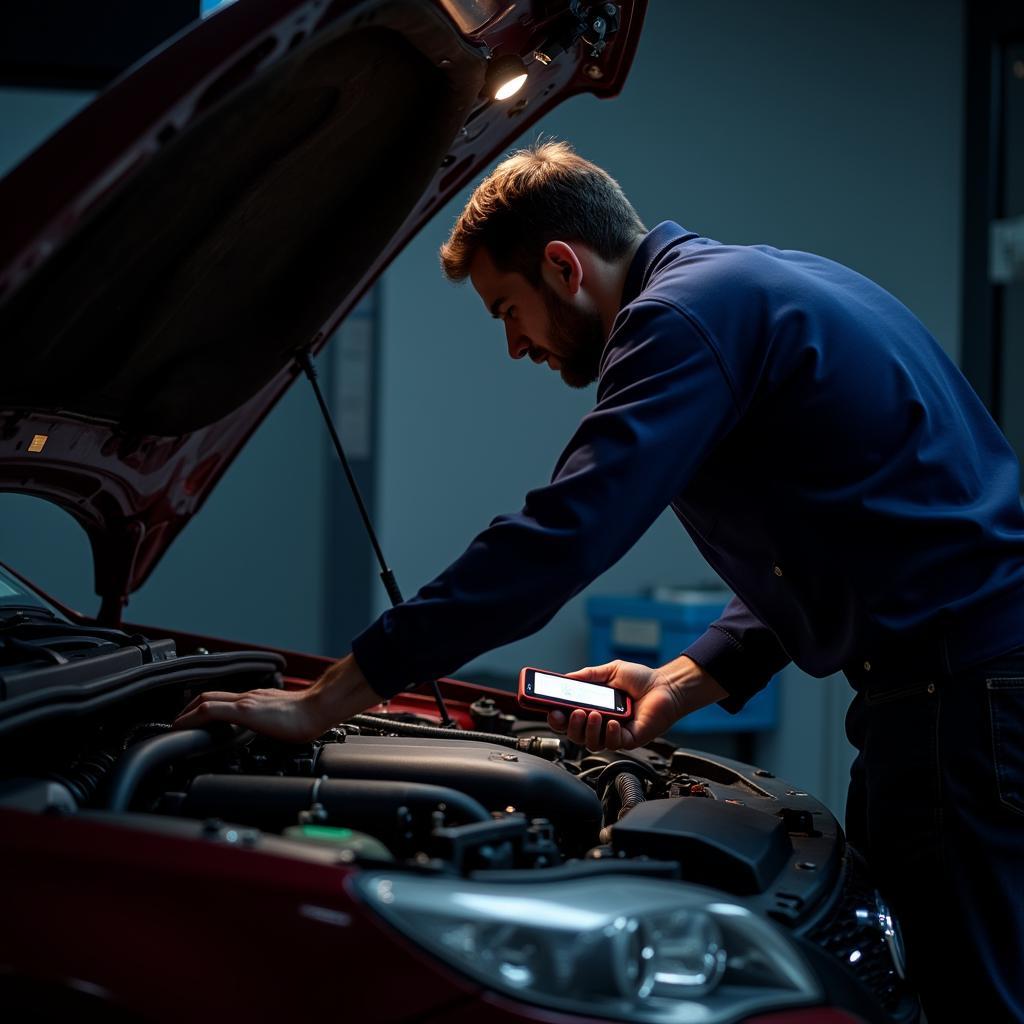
(305, 363)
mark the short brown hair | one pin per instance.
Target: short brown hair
(538, 194)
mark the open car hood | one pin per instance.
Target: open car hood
(219, 209)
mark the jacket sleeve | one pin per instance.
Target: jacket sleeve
(740, 651)
(664, 400)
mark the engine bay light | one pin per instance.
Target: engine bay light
(511, 87)
(506, 75)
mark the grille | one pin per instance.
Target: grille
(850, 931)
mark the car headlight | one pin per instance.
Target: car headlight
(634, 948)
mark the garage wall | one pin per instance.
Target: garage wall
(829, 127)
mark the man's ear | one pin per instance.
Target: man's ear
(561, 268)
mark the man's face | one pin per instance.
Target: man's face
(540, 322)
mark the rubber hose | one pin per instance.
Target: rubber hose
(86, 774)
(412, 729)
(140, 761)
(631, 793)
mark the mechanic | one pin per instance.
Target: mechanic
(831, 464)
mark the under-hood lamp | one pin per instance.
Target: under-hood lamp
(506, 75)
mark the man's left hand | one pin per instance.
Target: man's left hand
(292, 715)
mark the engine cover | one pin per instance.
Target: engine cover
(739, 849)
(497, 777)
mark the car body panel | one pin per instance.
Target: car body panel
(224, 910)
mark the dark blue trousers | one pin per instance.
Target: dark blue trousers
(936, 805)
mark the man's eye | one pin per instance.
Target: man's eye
(509, 313)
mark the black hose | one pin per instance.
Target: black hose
(140, 761)
(544, 746)
(631, 792)
(436, 731)
(86, 774)
(630, 789)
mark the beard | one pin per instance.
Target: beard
(579, 337)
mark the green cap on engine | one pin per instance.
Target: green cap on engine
(359, 843)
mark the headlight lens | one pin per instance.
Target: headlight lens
(614, 946)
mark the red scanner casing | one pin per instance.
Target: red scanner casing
(529, 699)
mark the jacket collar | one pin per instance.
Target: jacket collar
(655, 242)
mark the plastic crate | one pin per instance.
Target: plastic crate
(654, 632)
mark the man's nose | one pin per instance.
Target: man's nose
(518, 345)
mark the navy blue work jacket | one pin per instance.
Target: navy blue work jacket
(828, 459)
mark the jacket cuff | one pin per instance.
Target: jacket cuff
(721, 655)
(374, 651)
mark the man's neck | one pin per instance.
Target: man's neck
(612, 282)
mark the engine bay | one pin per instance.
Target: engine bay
(497, 797)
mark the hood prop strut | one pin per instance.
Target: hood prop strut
(305, 363)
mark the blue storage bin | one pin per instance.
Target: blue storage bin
(654, 632)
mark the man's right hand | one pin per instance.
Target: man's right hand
(661, 696)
